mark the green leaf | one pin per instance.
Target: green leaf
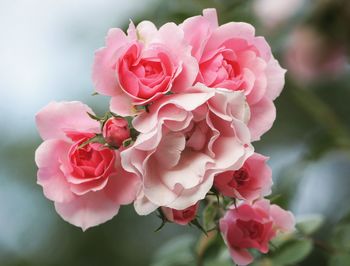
(341, 237)
(292, 252)
(309, 224)
(281, 239)
(223, 259)
(340, 260)
(176, 252)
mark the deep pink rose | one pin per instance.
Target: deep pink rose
(252, 181)
(182, 217)
(86, 181)
(115, 131)
(253, 226)
(231, 56)
(185, 139)
(140, 67)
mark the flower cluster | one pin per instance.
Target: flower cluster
(186, 102)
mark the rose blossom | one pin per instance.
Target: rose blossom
(182, 217)
(273, 13)
(185, 139)
(231, 56)
(85, 180)
(309, 55)
(115, 131)
(253, 226)
(253, 180)
(140, 67)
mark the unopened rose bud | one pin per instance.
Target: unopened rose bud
(182, 217)
(115, 131)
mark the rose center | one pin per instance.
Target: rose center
(239, 178)
(231, 67)
(251, 228)
(84, 154)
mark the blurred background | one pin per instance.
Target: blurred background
(46, 53)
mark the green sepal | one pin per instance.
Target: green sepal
(98, 138)
(197, 224)
(163, 218)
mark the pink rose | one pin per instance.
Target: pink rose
(273, 13)
(253, 226)
(85, 180)
(115, 131)
(311, 56)
(182, 217)
(185, 140)
(140, 67)
(231, 56)
(252, 181)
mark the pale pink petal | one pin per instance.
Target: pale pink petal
(88, 210)
(50, 177)
(197, 31)
(284, 219)
(122, 187)
(169, 150)
(187, 76)
(275, 79)
(258, 166)
(229, 104)
(188, 172)
(189, 101)
(172, 36)
(144, 206)
(233, 30)
(263, 115)
(57, 117)
(189, 197)
(241, 257)
(211, 16)
(155, 190)
(121, 104)
(103, 72)
(146, 31)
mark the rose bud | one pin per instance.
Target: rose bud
(252, 226)
(182, 217)
(115, 131)
(252, 181)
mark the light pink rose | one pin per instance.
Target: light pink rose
(140, 67)
(252, 181)
(273, 13)
(86, 181)
(309, 56)
(182, 217)
(231, 56)
(115, 131)
(253, 226)
(185, 140)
